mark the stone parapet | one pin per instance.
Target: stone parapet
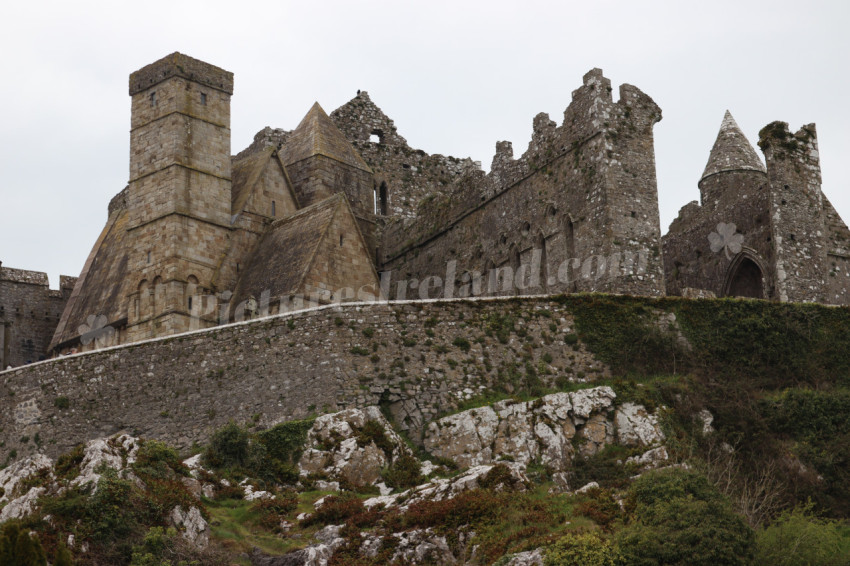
(179, 65)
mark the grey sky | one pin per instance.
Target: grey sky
(455, 76)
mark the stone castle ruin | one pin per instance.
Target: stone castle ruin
(341, 208)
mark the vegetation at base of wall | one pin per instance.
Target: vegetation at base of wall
(775, 377)
(114, 518)
(269, 455)
(765, 487)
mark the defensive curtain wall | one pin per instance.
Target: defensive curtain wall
(416, 358)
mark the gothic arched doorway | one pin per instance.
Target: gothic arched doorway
(745, 280)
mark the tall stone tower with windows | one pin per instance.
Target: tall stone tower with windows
(179, 194)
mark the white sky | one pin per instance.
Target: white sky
(455, 76)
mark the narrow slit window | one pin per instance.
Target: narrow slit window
(153, 99)
(203, 99)
(189, 303)
(274, 209)
(341, 238)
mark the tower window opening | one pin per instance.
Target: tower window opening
(383, 199)
(153, 99)
(273, 209)
(341, 239)
(149, 257)
(189, 303)
(377, 136)
(203, 99)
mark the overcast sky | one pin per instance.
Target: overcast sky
(455, 76)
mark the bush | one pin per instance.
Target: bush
(228, 447)
(337, 509)
(18, 548)
(582, 549)
(677, 517)
(63, 557)
(599, 506)
(272, 510)
(798, 537)
(159, 460)
(403, 473)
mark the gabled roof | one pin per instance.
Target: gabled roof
(731, 151)
(318, 135)
(103, 283)
(283, 257)
(245, 174)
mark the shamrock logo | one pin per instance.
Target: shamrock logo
(95, 329)
(727, 239)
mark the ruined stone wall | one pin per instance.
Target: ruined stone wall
(29, 313)
(408, 174)
(796, 212)
(838, 256)
(419, 359)
(579, 208)
(739, 198)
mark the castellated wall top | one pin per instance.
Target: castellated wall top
(23, 276)
(179, 65)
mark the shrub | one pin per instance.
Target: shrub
(403, 473)
(228, 447)
(337, 509)
(582, 549)
(372, 431)
(61, 402)
(461, 343)
(599, 506)
(18, 548)
(798, 537)
(63, 557)
(158, 460)
(678, 517)
(272, 510)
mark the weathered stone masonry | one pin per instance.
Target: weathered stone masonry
(29, 311)
(419, 359)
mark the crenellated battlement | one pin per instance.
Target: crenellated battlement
(179, 65)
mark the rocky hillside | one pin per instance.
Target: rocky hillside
(720, 437)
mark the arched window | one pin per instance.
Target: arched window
(540, 244)
(381, 199)
(142, 301)
(158, 296)
(191, 291)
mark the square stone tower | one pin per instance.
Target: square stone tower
(179, 195)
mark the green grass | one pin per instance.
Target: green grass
(236, 524)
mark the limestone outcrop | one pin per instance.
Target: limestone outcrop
(352, 445)
(549, 430)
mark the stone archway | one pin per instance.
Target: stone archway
(745, 279)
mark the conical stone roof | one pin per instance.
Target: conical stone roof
(731, 151)
(318, 135)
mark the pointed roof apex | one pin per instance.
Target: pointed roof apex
(731, 151)
(318, 135)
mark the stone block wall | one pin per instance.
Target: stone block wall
(319, 177)
(29, 313)
(582, 200)
(796, 212)
(408, 174)
(417, 359)
(737, 197)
